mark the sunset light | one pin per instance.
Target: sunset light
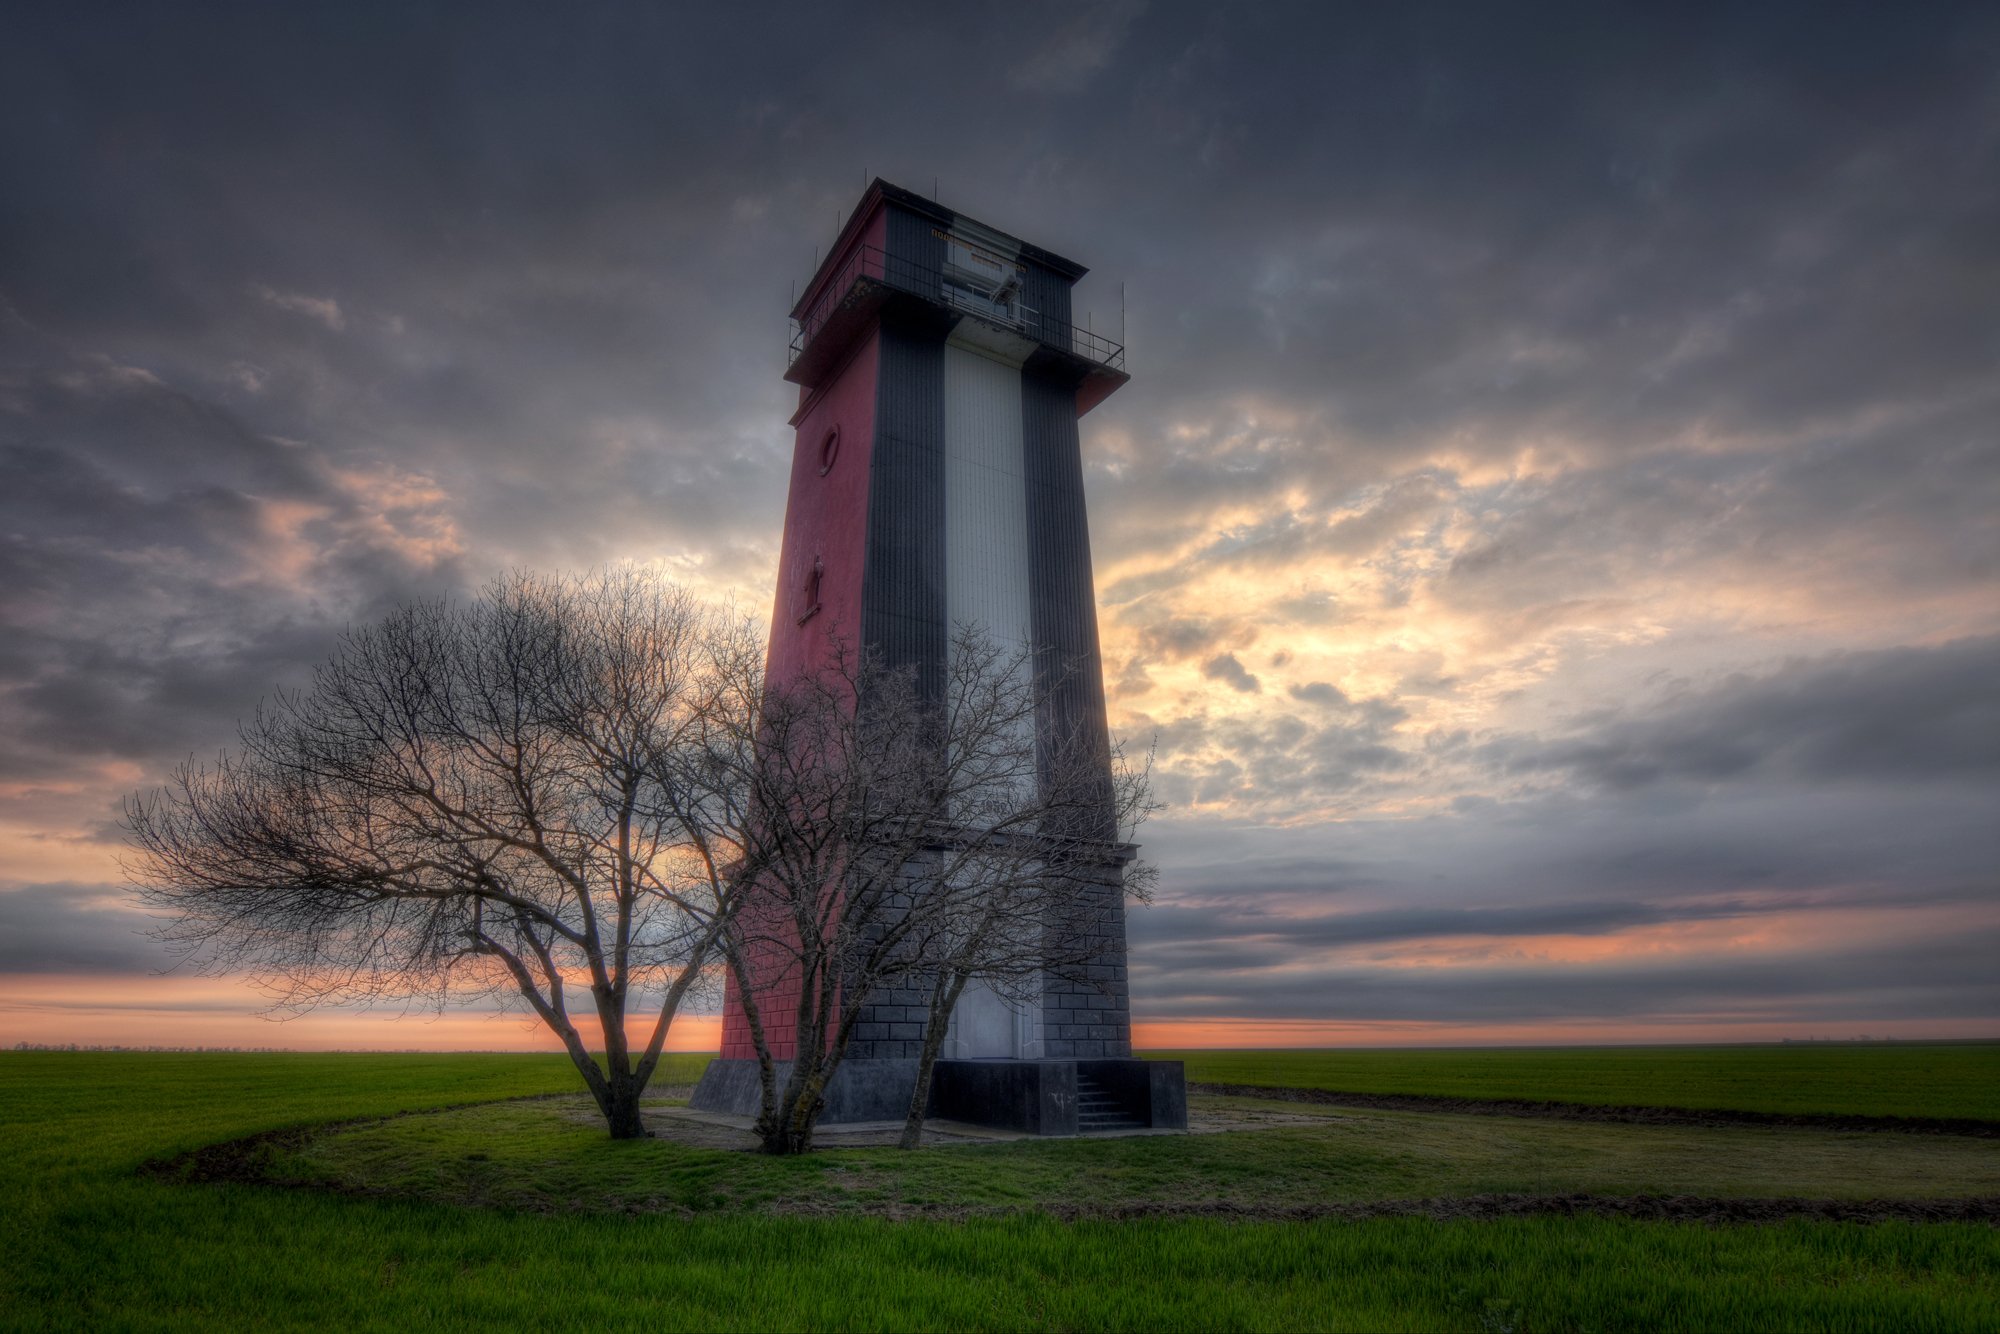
(1548, 544)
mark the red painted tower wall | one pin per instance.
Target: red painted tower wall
(826, 520)
(818, 602)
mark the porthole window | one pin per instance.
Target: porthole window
(829, 450)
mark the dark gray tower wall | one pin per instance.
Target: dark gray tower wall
(906, 601)
(1088, 1015)
(906, 619)
(902, 590)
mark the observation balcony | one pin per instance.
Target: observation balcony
(870, 278)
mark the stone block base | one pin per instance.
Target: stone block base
(859, 1090)
(1056, 1097)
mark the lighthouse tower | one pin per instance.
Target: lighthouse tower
(936, 481)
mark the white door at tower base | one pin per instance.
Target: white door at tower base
(984, 1024)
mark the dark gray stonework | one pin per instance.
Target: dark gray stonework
(1166, 1095)
(861, 1090)
(1088, 1016)
(1036, 1097)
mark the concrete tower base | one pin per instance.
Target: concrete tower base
(861, 1090)
(1057, 1097)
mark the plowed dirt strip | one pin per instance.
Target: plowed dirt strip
(1578, 1111)
(1713, 1210)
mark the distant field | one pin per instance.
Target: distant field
(88, 1241)
(1899, 1079)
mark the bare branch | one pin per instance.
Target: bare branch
(479, 799)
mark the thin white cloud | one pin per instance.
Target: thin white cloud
(322, 308)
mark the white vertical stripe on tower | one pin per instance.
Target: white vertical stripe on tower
(986, 503)
(986, 585)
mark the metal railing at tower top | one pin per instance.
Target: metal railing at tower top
(871, 267)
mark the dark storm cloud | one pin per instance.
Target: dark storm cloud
(1879, 718)
(1187, 636)
(164, 564)
(528, 246)
(1660, 849)
(68, 928)
(1846, 985)
(1186, 934)
(1894, 509)
(1476, 233)
(304, 311)
(1888, 716)
(1684, 197)
(1411, 221)
(1219, 935)
(1224, 667)
(1245, 925)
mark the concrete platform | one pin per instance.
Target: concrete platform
(1049, 1097)
(869, 1134)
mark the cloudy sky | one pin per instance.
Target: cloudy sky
(1551, 530)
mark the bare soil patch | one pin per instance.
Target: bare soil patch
(1576, 1111)
(1709, 1210)
(711, 1131)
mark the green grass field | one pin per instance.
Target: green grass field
(1900, 1079)
(89, 1240)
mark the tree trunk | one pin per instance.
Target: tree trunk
(767, 1068)
(791, 1130)
(944, 999)
(620, 1099)
(621, 1110)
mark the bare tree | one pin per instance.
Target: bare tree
(901, 836)
(1023, 910)
(512, 796)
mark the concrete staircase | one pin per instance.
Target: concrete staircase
(1098, 1111)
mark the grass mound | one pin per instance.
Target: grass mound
(550, 1156)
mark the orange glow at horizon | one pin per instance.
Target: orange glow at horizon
(220, 1012)
(176, 1011)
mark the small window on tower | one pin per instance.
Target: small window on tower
(809, 591)
(829, 450)
(978, 280)
(975, 266)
